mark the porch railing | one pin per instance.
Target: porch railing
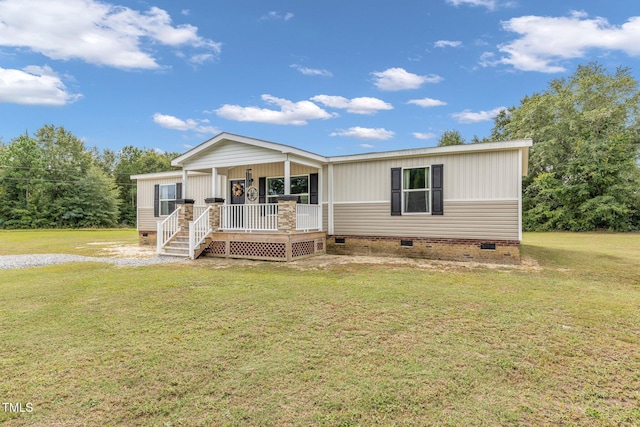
(308, 217)
(198, 209)
(198, 231)
(260, 217)
(166, 229)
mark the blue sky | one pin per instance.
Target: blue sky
(332, 77)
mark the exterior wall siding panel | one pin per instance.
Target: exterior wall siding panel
(198, 189)
(234, 154)
(461, 220)
(491, 175)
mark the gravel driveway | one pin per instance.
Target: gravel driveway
(38, 260)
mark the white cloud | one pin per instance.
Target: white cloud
(34, 85)
(364, 105)
(290, 113)
(546, 41)
(424, 135)
(312, 71)
(201, 58)
(366, 146)
(427, 102)
(399, 79)
(489, 4)
(447, 43)
(277, 16)
(172, 122)
(365, 133)
(468, 116)
(94, 32)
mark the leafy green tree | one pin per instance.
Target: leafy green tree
(583, 167)
(22, 184)
(52, 180)
(450, 137)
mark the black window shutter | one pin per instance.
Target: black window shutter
(178, 190)
(156, 200)
(262, 190)
(396, 191)
(436, 190)
(313, 188)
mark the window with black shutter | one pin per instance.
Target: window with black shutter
(417, 190)
(396, 191)
(313, 188)
(437, 193)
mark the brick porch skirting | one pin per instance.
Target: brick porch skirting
(495, 251)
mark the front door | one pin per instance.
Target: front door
(237, 191)
(235, 214)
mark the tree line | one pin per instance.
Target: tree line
(584, 169)
(51, 179)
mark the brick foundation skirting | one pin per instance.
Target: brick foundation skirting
(482, 250)
(147, 237)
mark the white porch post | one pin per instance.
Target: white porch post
(320, 195)
(287, 177)
(184, 184)
(330, 198)
(214, 182)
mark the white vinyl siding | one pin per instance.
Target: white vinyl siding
(471, 176)
(199, 188)
(233, 154)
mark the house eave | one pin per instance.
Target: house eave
(169, 174)
(433, 151)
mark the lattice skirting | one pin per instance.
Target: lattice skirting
(299, 249)
(216, 248)
(266, 247)
(258, 249)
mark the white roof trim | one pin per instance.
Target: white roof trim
(432, 151)
(170, 174)
(284, 149)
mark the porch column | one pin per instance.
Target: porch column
(287, 177)
(320, 196)
(185, 213)
(214, 183)
(330, 198)
(214, 213)
(287, 213)
(184, 184)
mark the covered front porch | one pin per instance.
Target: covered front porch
(281, 231)
(262, 198)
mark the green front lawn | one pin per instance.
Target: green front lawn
(554, 342)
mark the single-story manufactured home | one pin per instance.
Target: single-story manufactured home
(242, 197)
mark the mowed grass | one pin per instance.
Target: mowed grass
(556, 343)
(88, 242)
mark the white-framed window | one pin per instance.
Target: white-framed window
(415, 190)
(167, 199)
(299, 187)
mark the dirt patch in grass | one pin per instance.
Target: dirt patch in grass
(122, 250)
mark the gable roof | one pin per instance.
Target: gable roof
(225, 137)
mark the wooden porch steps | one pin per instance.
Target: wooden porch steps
(178, 246)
